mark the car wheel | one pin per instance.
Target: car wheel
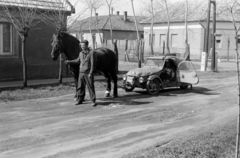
(184, 86)
(129, 88)
(153, 86)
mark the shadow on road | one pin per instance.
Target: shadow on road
(198, 90)
(127, 98)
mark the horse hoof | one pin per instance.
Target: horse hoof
(115, 96)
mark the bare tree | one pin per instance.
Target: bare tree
(93, 5)
(231, 9)
(22, 14)
(109, 4)
(187, 49)
(152, 20)
(168, 30)
(55, 15)
(138, 38)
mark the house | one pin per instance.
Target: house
(38, 43)
(123, 28)
(196, 31)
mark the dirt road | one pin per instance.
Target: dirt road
(56, 128)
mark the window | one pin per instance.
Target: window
(153, 39)
(218, 41)
(174, 40)
(6, 39)
(162, 40)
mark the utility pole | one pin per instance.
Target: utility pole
(213, 64)
(207, 36)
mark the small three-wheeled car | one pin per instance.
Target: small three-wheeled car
(160, 72)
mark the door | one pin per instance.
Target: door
(186, 73)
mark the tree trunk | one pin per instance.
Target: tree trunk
(24, 62)
(98, 29)
(60, 69)
(138, 37)
(168, 29)
(187, 49)
(238, 81)
(151, 44)
(110, 24)
(90, 29)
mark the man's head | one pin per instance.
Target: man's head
(84, 44)
(168, 63)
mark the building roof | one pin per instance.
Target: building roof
(118, 23)
(64, 5)
(197, 11)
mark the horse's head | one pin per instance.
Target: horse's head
(57, 46)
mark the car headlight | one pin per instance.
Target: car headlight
(124, 77)
(141, 80)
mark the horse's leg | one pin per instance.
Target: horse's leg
(108, 81)
(115, 79)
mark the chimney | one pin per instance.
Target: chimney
(117, 12)
(96, 14)
(125, 16)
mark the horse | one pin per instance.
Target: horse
(105, 59)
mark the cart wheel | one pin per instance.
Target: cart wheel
(153, 86)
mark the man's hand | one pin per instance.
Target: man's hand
(66, 62)
(89, 75)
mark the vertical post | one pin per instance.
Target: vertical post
(152, 20)
(214, 37)
(228, 49)
(116, 53)
(60, 69)
(139, 54)
(142, 47)
(163, 47)
(207, 34)
(126, 47)
(24, 62)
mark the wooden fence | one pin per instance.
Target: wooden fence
(127, 49)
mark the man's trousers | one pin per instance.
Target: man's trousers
(84, 80)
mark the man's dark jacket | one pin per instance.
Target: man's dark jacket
(86, 61)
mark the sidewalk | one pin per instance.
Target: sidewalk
(12, 84)
(222, 66)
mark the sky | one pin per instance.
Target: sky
(123, 5)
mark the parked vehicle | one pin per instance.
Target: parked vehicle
(160, 72)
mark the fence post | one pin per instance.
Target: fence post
(139, 54)
(228, 49)
(126, 47)
(163, 47)
(116, 53)
(60, 69)
(143, 43)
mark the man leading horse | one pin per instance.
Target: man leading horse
(87, 63)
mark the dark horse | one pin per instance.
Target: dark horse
(105, 59)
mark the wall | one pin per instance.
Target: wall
(39, 62)
(195, 35)
(195, 38)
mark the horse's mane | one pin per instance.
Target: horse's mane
(70, 37)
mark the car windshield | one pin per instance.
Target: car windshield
(154, 63)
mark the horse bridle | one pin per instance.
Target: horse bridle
(60, 45)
